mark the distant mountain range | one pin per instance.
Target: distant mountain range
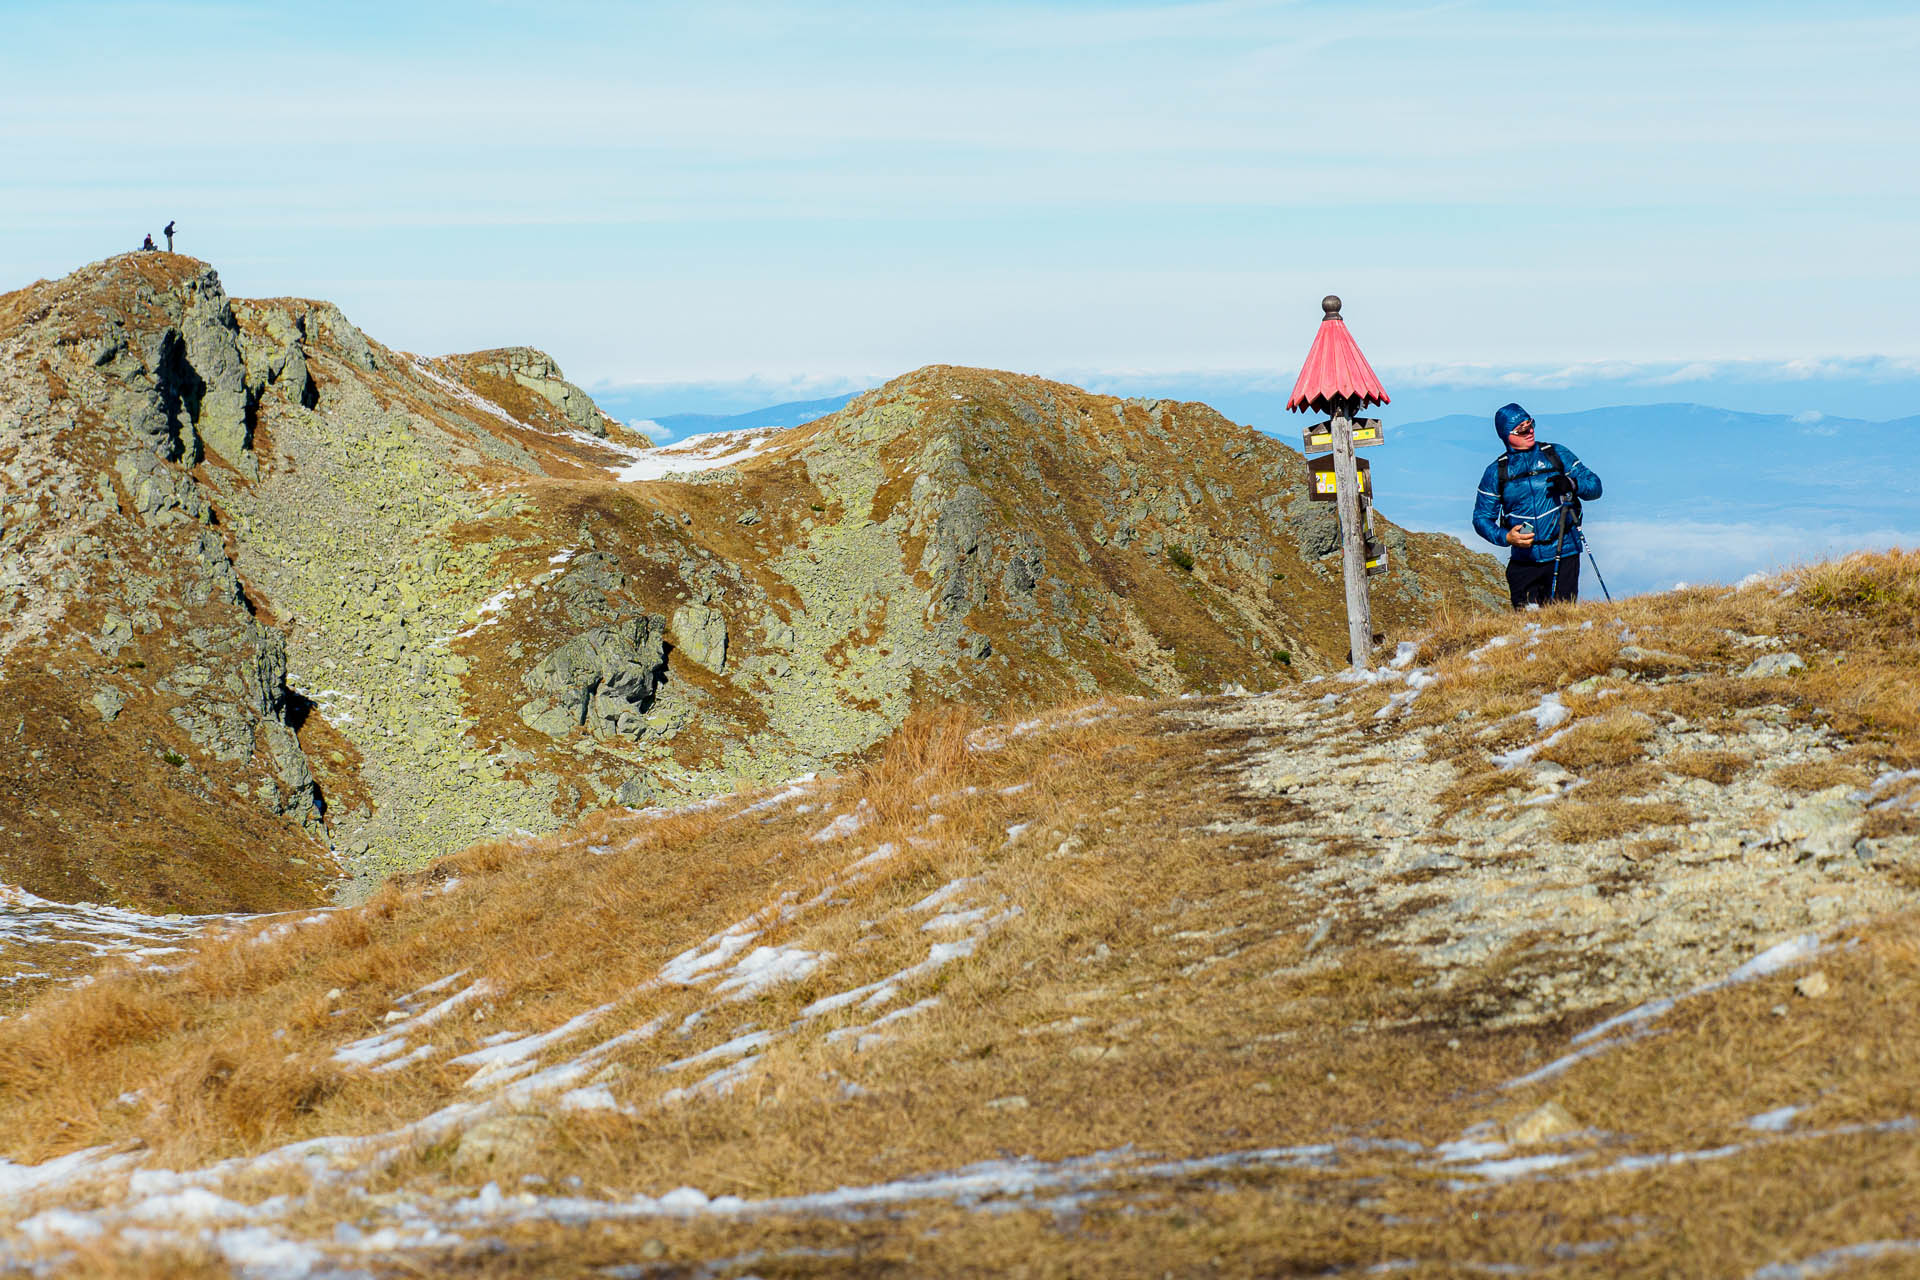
(678, 426)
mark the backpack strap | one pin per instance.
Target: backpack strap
(1559, 466)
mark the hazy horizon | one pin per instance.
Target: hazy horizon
(709, 193)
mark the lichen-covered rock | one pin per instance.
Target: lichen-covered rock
(217, 398)
(347, 337)
(537, 372)
(603, 679)
(700, 633)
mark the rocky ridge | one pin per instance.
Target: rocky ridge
(401, 604)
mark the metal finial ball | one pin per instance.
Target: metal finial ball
(1331, 304)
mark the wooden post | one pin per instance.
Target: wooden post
(1353, 541)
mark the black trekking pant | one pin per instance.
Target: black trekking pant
(1530, 583)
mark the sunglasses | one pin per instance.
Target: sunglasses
(1524, 429)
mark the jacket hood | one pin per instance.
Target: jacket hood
(1506, 418)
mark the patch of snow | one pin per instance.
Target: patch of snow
(793, 791)
(1519, 1166)
(1520, 755)
(943, 893)
(60, 1226)
(739, 1046)
(948, 921)
(1778, 1120)
(716, 1083)
(420, 1054)
(1827, 1261)
(845, 824)
(1781, 955)
(597, 1097)
(189, 1205)
(1550, 714)
(1497, 642)
(764, 967)
(393, 1040)
(705, 452)
(870, 1034)
(507, 1052)
(879, 855)
(716, 952)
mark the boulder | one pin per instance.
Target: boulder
(636, 792)
(1547, 1121)
(502, 1141)
(701, 633)
(1774, 664)
(1823, 825)
(604, 679)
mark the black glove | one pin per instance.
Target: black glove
(1560, 487)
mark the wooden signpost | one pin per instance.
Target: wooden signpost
(1337, 380)
(1366, 431)
(1324, 488)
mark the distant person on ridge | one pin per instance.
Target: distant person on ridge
(1529, 500)
(168, 232)
(148, 247)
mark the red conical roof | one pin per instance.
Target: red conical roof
(1335, 369)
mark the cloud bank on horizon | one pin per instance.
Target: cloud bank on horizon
(712, 192)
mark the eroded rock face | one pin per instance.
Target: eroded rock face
(537, 372)
(700, 633)
(126, 413)
(603, 680)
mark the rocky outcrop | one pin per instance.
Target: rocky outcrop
(701, 633)
(603, 680)
(132, 651)
(537, 372)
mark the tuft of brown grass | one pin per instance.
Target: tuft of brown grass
(1581, 822)
(1476, 786)
(1879, 589)
(1718, 767)
(1615, 738)
(1619, 781)
(1818, 775)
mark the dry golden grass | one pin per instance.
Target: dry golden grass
(1719, 767)
(1158, 990)
(1818, 775)
(1850, 620)
(1621, 781)
(1476, 787)
(1614, 738)
(1580, 821)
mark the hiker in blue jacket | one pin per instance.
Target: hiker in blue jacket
(1529, 500)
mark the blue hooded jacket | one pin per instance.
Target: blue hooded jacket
(1526, 499)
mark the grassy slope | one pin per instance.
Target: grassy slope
(1158, 989)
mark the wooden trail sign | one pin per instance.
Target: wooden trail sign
(1366, 431)
(1337, 380)
(1326, 478)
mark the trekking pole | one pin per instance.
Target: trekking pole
(1596, 565)
(1553, 581)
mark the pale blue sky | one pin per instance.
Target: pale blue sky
(814, 193)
